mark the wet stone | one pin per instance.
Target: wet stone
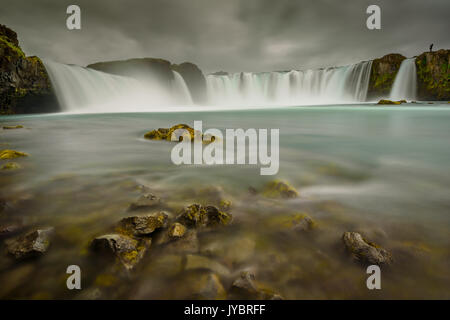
(127, 250)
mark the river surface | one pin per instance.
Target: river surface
(381, 171)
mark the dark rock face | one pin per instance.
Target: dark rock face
(220, 73)
(141, 69)
(24, 83)
(194, 78)
(383, 75)
(433, 75)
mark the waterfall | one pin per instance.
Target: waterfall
(180, 89)
(320, 86)
(81, 89)
(405, 83)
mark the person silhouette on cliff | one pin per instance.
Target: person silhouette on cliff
(431, 47)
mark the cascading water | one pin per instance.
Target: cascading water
(405, 83)
(330, 85)
(87, 90)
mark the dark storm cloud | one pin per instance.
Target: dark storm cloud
(232, 35)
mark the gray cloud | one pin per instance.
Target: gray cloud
(232, 35)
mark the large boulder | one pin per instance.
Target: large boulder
(24, 84)
(383, 74)
(433, 75)
(194, 78)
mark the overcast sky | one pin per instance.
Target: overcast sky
(230, 35)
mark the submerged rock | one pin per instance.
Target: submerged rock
(142, 225)
(12, 127)
(303, 222)
(433, 74)
(384, 101)
(365, 251)
(127, 250)
(10, 166)
(183, 131)
(247, 287)
(147, 200)
(196, 215)
(279, 189)
(11, 154)
(32, 244)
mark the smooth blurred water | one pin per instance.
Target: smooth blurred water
(389, 164)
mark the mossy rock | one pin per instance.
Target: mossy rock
(126, 250)
(385, 101)
(176, 231)
(184, 131)
(246, 287)
(11, 154)
(279, 189)
(197, 215)
(25, 85)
